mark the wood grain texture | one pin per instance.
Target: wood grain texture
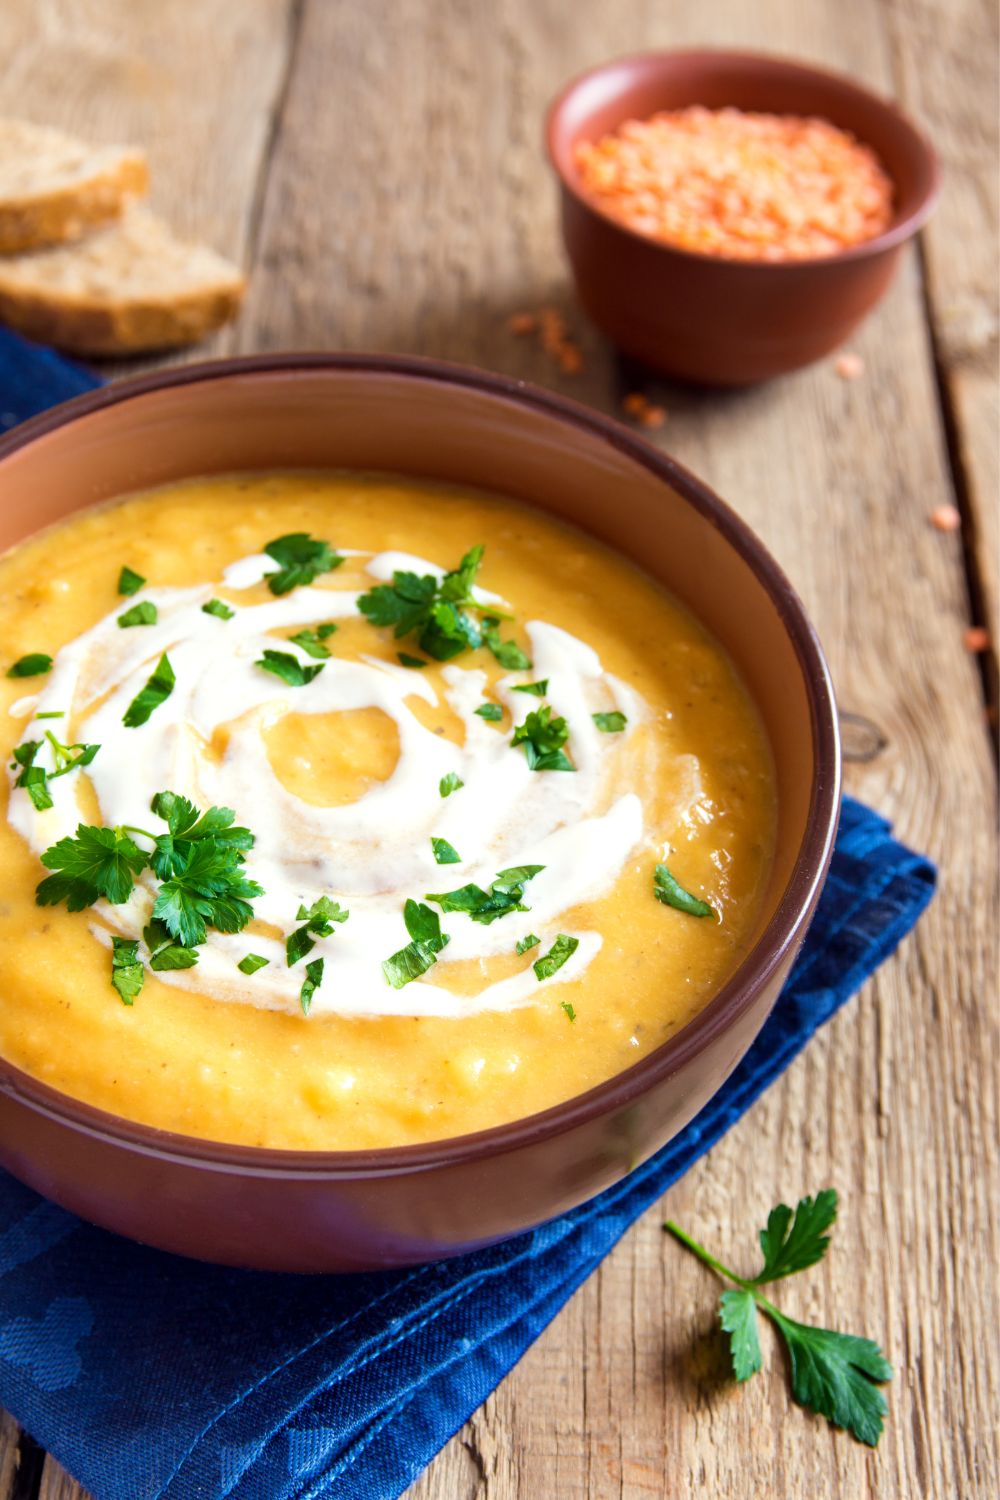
(407, 206)
(948, 75)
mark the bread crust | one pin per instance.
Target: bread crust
(89, 326)
(67, 213)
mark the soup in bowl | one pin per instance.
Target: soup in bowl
(418, 791)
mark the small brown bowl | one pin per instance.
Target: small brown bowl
(354, 1210)
(706, 318)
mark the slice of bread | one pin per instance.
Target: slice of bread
(54, 188)
(129, 288)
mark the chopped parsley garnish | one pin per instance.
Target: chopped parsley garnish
(288, 667)
(836, 1375)
(219, 609)
(503, 897)
(672, 893)
(424, 927)
(450, 783)
(32, 665)
(301, 558)
(445, 853)
(164, 951)
(406, 660)
(199, 862)
(157, 691)
(251, 963)
(610, 723)
(35, 778)
(567, 1006)
(311, 641)
(508, 653)
(563, 948)
(127, 972)
(491, 711)
(143, 613)
(52, 713)
(543, 737)
(311, 983)
(537, 689)
(129, 582)
(531, 941)
(318, 921)
(432, 609)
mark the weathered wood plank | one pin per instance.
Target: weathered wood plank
(947, 59)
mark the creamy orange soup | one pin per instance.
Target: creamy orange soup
(498, 824)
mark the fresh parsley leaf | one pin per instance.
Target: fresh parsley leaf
(172, 851)
(217, 608)
(311, 983)
(427, 940)
(503, 897)
(834, 1374)
(147, 699)
(32, 665)
(288, 667)
(450, 783)
(143, 613)
(537, 689)
(406, 660)
(445, 853)
(210, 889)
(127, 972)
(129, 582)
(52, 713)
(318, 920)
(563, 948)
(251, 963)
(164, 952)
(543, 737)
(297, 945)
(567, 1006)
(672, 893)
(301, 558)
(33, 778)
(837, 1375)
(311, 641)
(738, 1316)
(491, 711)
(526, 943)
(433, 610)
(791, 1245)
(610, 723)
(97, 862)
(508, 653)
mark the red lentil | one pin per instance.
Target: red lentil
(739, 185)
(976, 639)
(946, 518)
(849, 366)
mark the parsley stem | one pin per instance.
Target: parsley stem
(703, 1255)
(131, 828)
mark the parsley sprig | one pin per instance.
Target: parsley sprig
(301, 558)
(426, 942)
(436, 611)
(543, 738)
(834, 1374)
(504, 896)
(35, 778)
(317, 921)
(198, 861)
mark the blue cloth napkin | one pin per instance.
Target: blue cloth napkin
(156, 1378)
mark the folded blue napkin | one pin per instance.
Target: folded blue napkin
(155, 1378)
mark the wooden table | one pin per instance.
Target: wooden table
(378, 167)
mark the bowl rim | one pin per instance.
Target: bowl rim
(724, 1009)
(897, 233)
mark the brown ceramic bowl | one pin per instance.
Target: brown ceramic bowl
(706, 318)
(336, 1211)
